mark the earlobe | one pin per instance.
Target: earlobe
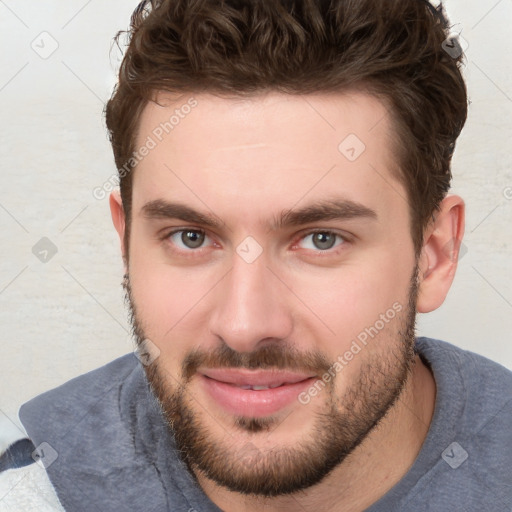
(118, 219)
(438, 259)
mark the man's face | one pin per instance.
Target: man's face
(270, 249)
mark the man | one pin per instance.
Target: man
(283, 214)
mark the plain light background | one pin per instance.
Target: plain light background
(66, 316)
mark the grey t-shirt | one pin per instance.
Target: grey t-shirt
(115, 452)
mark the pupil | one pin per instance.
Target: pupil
(192, 239)
(324, 240)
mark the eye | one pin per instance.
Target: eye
(186, 239)
(321, 240)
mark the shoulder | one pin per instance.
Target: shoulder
(486, 384)
(465, 459)
(84, 391)
(103, 430)
(477, 392)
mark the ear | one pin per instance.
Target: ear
(438, 258)
(119, 220)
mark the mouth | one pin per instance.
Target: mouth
(253, 393)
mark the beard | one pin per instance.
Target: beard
(337, 430)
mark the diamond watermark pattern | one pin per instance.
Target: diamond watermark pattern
(45, 455)
(455, 45)
(249, 250)
(249, 453)
(147, 352)
(454, 455)
(351, 147)
(452, 246)
(45, 45)
(44, 250)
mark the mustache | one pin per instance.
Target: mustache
(277, 355)
(272, 356)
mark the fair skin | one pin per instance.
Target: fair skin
(244, 162)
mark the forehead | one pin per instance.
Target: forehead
(267, 150)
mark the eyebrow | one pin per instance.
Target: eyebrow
(335, 209)
(161, 209)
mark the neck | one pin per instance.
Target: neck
(383, 458)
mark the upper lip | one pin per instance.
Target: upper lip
(242, 377)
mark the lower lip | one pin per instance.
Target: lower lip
(251, 403)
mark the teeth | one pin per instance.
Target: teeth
(259, 388)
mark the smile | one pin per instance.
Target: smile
(253, 393)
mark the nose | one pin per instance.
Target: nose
(250, 307)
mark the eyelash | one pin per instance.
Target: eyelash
(318, 252)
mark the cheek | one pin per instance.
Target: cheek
(351, 298)
(172, 303)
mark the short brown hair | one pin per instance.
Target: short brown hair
(391, 48)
